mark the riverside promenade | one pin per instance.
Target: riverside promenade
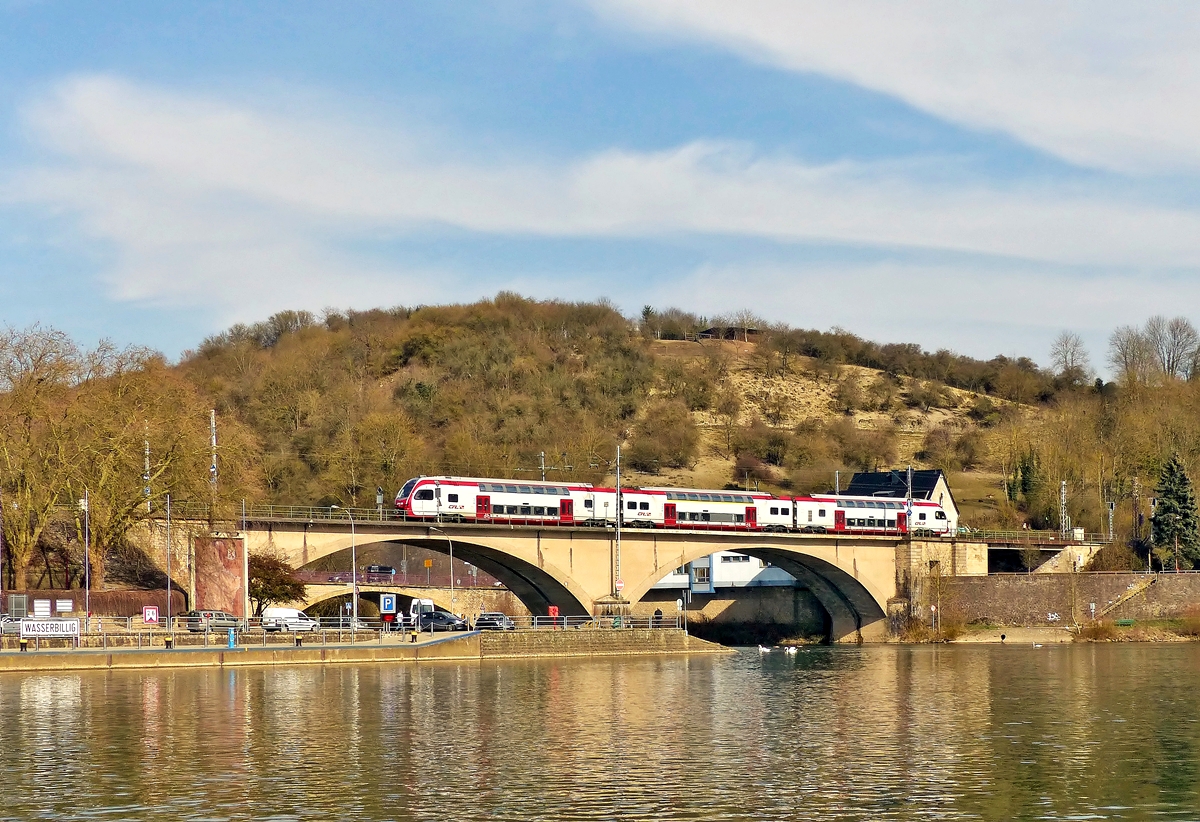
(474, 645)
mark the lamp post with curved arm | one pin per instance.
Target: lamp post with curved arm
(450, 542)
(353, 570)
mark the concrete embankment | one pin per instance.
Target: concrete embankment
(473, 646)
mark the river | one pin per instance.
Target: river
(877, 732)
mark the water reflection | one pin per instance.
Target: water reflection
(872, 733)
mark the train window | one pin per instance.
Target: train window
(539, 511)
(631, 505)
(452, 498)
(939, 514)
(704, 516)
(775, 511)
(736, 517)
(424, 494)
(694, 497)
(525, 509)
(587, 503)
(552, 512)
(821, 512)
(891, 523)
(810, 515)
(644, 506)
(524, 489)
(921, 516)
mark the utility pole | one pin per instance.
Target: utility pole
(1064, 525)
(212, 432)
(2, 608)
(146, 468)
(87, 561)
(542, 464)
(168, 561)
(620, 505)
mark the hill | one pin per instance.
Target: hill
(324, 410)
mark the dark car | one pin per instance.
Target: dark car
(442, 621)
(494, 621)
(210, 620)
(381, 569)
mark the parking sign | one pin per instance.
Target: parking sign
(387, 603)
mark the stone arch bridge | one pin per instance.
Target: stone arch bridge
(577, 569)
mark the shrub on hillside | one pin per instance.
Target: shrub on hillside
(665, 438)
(865, 449)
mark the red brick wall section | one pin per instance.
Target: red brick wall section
(219, 573)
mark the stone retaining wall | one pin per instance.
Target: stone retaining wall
(474, 646)
(1034, 599)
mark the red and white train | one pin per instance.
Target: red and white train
(517, 502)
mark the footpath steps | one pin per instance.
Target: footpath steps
(1136, 587)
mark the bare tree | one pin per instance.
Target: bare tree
(1131, 355)
(1175, 343)
(1070, 359)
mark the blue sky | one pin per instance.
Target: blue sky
(960, 175)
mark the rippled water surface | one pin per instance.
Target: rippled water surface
(1093, 732)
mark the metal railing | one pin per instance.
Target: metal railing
(201, 511)
(411, 579)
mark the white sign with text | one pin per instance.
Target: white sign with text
(49, 627)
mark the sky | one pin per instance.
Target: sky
(970, 176)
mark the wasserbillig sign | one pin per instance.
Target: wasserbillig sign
(49, 627)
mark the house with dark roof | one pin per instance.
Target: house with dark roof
(927, 484)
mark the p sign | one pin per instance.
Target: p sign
(387, 603)
(150, 614)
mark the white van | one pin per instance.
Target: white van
(288, 619)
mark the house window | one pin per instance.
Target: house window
(701, 575)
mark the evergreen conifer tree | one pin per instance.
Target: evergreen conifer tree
(1175, 516)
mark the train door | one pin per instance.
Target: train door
(566, 511)
(902, 521)
(839, 520)
(483, 507)
(751, 517)
(669, 515)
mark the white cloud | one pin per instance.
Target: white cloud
(205, 202)
(1099, 83)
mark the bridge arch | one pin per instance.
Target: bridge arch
(577, 569)
(850, 601)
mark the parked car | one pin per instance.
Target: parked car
(210, 620)
(288, 619)
(10, 625)
(345, 623)
(494, 621)
(442, 621)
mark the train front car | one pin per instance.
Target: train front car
(929, 518)
(403, 495)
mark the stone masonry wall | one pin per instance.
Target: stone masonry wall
(1033, 599)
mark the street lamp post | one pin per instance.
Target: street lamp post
(450, 542)
(353, 570)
